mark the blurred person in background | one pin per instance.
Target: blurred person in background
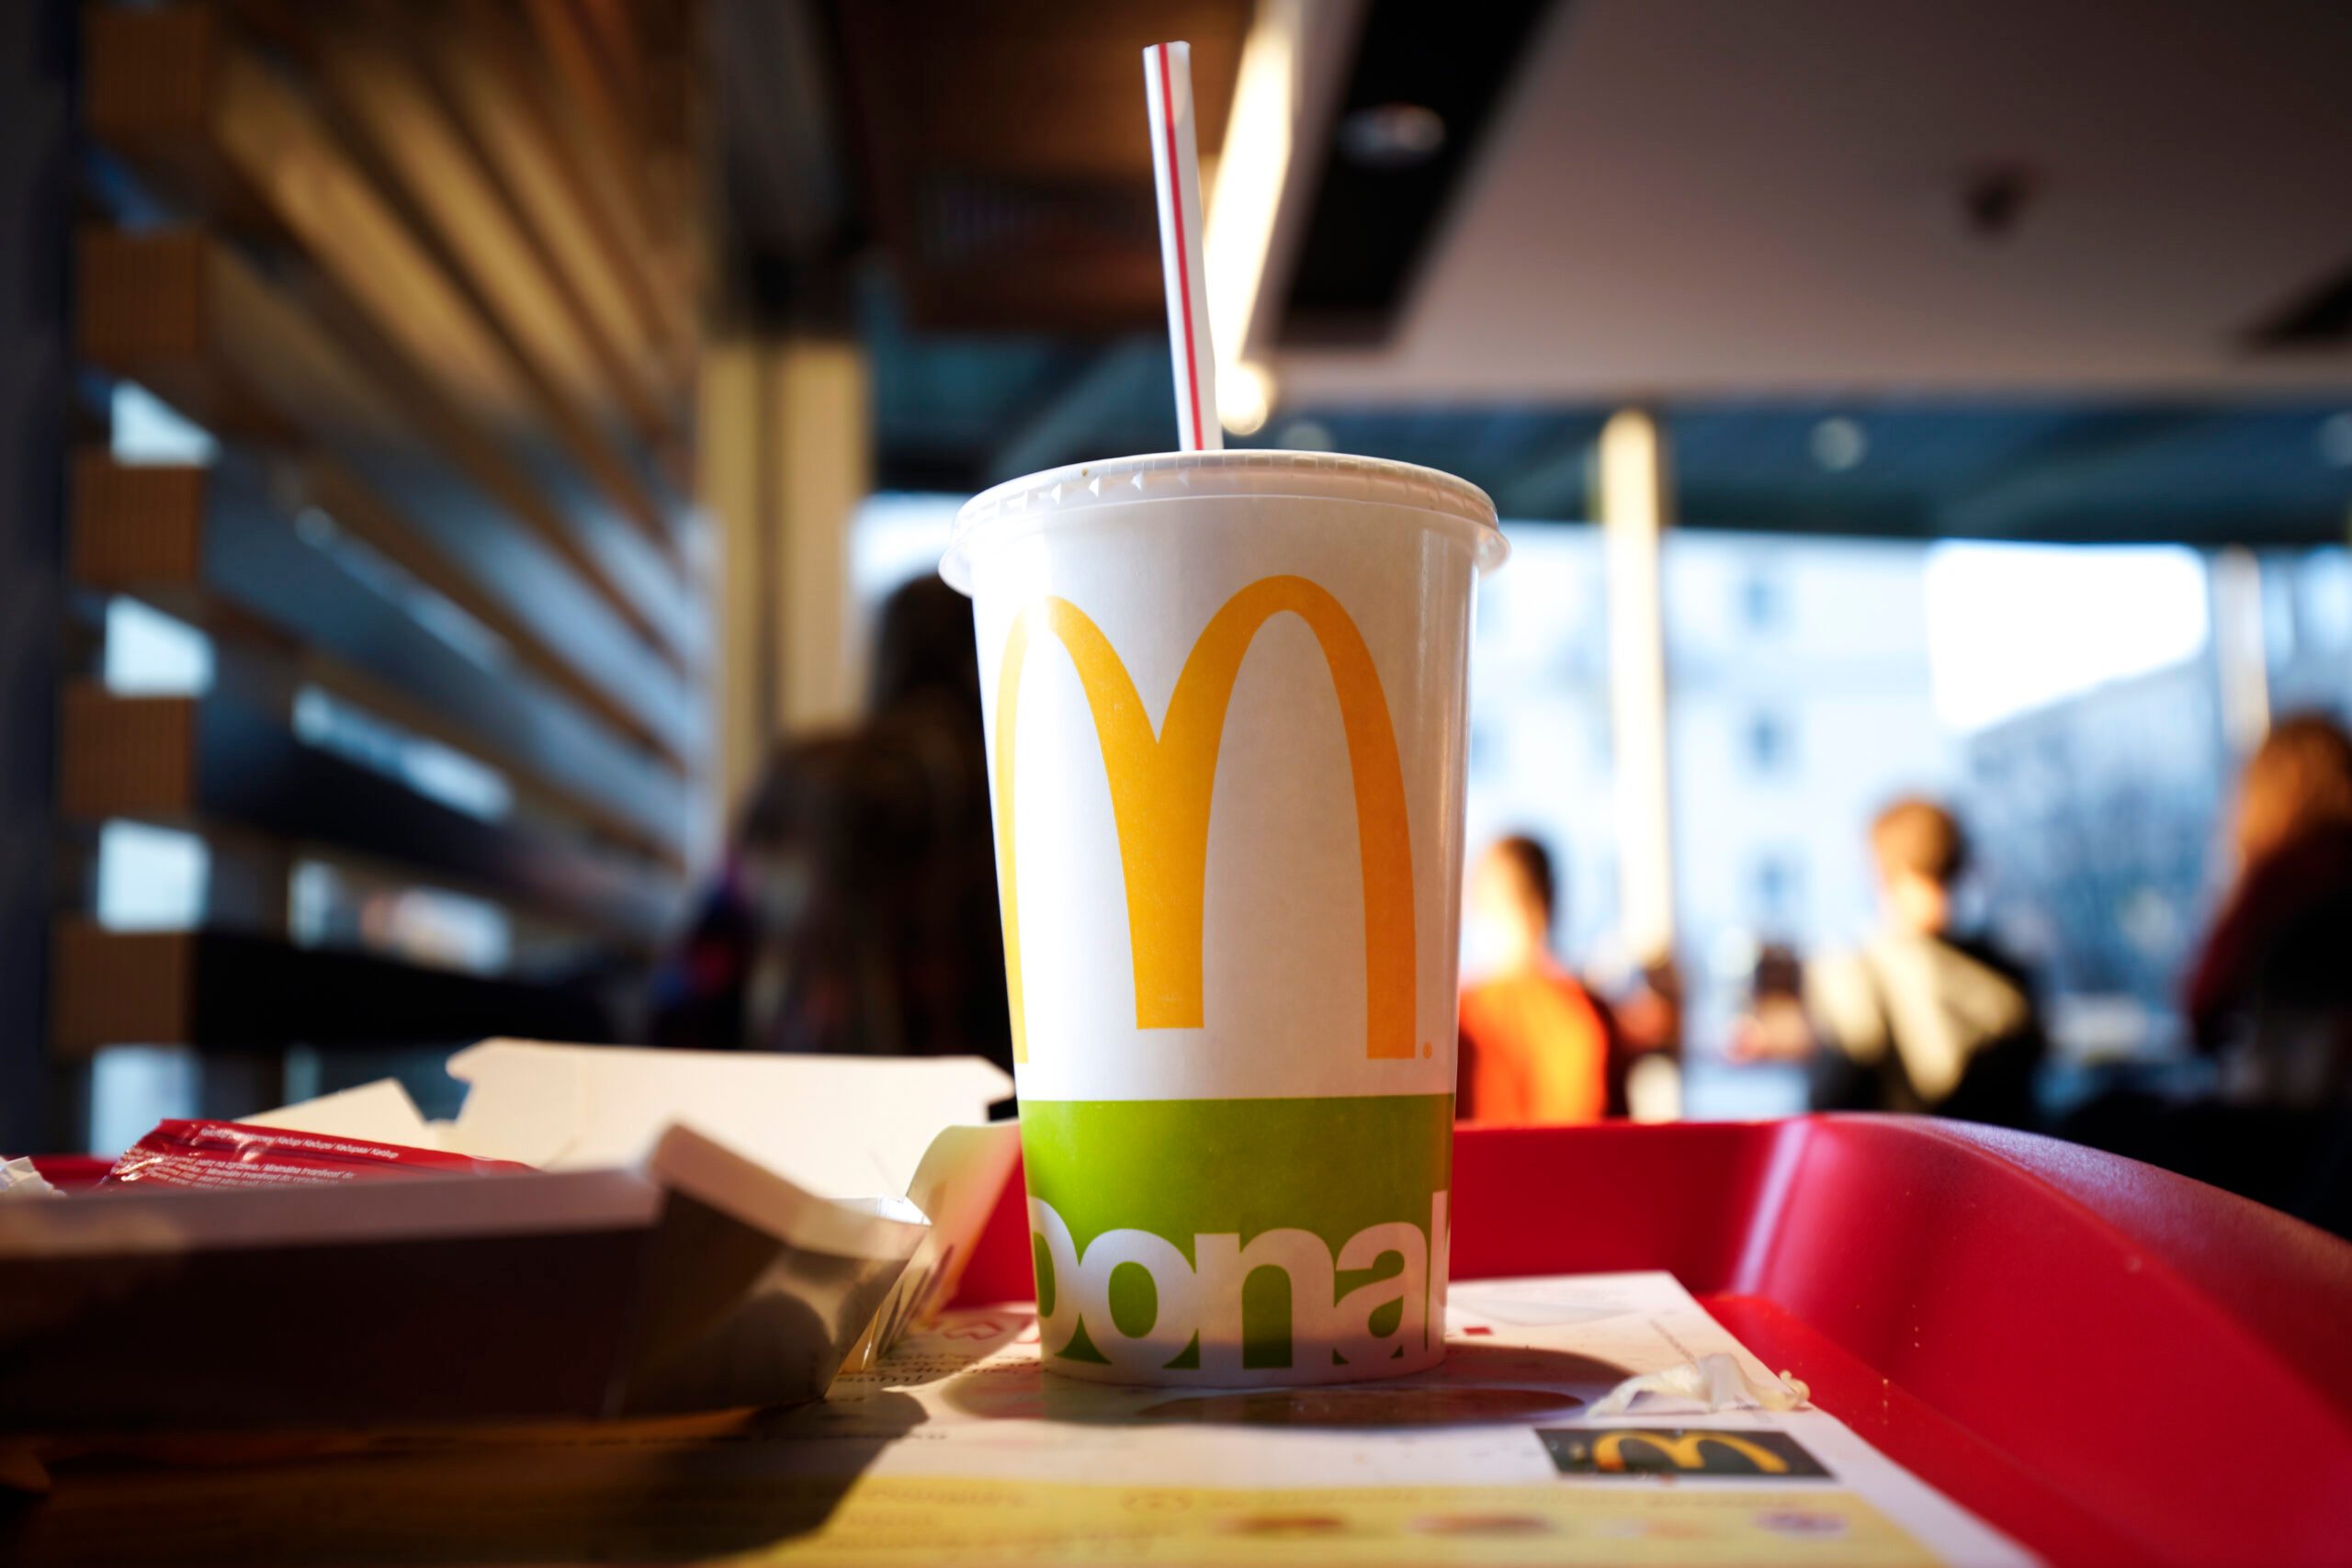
(1777, 981)
(2269, 998)
(2272, 991)
(857, 912)
(1536, 1046)
(1646, 1044)
(1920, 1017)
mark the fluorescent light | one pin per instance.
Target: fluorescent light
(1840, 443)
(1245, 396)
(1252, 167)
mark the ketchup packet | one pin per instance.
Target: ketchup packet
(232, 1153)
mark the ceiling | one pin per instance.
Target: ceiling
(2030, 257)
(1002, 154)
(1705, 197)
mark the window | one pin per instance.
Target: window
(443, 773)
(150, 654)
(145, 429)
(151, 878)
(2307, 613)
(1762, 604)
(1540, 757)
(1486, 740)
(1776, 885)
(1768, 742)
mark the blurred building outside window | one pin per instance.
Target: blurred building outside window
(437, 772)
(150, 654)
(151, 878)
(142, 428)
(390, 581)
(2064, 699)
(1777, 879)
(134, 1087)
(1768, 742)
(1539, 754)
(2307, 623)
(1761, 604)
(330, 905)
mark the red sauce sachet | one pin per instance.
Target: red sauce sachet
(234, 1154)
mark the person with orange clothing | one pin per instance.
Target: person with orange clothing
(1535, 1044)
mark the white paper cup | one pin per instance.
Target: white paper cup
(1225, 695)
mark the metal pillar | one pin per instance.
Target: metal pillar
(2240, 661)
(1634, 504)
(823, 469)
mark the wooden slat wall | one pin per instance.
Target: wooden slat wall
(433, 284)
(265, 152)
(220, 548)
(225, 758)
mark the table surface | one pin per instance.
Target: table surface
(2105, 1362)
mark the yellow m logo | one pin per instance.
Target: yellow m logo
(1160, 786)
(1684, 1450)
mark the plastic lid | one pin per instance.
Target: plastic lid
(1163, 475)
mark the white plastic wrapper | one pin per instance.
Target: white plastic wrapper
(19, 1179)
(1699, 1388)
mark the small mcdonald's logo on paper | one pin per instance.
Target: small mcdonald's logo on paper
(1161, 787)
(1715, 1453)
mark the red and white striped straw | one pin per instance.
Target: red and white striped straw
(1176, 170)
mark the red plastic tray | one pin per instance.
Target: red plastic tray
(2110, 1362)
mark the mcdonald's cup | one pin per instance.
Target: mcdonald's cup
(1224, 697)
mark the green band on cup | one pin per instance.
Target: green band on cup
(1240, 1236)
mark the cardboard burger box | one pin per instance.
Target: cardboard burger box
(700, 1230)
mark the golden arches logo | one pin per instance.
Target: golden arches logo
(1684, 1450)
(1160, 789)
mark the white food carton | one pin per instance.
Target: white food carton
(703, 1229)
